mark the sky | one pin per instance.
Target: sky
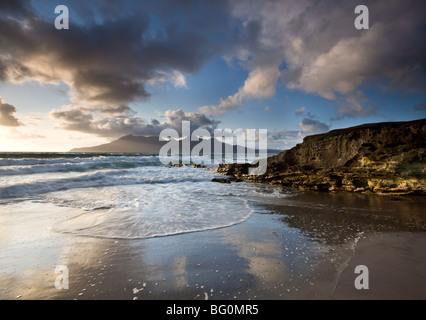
(293, 67)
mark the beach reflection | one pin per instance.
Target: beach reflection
(282, 262)
(335, 219)
(264, 257)
(179, 272)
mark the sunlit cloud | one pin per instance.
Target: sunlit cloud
(292, 44)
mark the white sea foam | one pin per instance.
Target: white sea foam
(135, 212)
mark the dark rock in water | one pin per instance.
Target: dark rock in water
(179, 165)
(383, 158)
(221, 180)
(199, 166)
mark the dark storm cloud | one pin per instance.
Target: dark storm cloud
(106, 62)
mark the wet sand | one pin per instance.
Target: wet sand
(302, 247)
(396, 268)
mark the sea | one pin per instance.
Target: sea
(127, 196)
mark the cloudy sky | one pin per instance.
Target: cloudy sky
(294, 67)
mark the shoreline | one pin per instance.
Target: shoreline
(301, 247)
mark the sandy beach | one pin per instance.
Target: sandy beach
(396, 263)
(304, 247)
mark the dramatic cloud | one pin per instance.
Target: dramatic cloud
(124, 124)
(110, 53)
(115, 51)
(7, 115)
(314, 47)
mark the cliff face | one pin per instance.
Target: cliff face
(384, 157)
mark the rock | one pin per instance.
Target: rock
(199, 166)
(381, 158)
(178, 165)
(221, 180)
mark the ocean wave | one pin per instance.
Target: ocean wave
(76, 166)
(75, 159)
(55, 182)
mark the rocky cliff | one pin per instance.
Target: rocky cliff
(384, 157)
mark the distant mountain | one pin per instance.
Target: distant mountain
(140, 144)
(126, 144)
